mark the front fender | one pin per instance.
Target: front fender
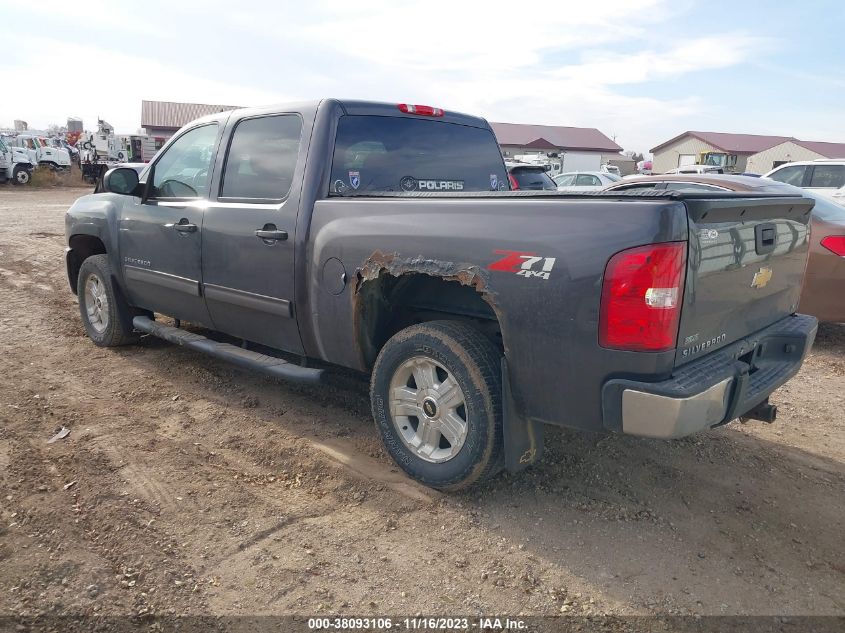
(98, 216)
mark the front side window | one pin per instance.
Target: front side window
(829, 176)
(262, 158)
(792, 175)
(183, 169)
(384, 153)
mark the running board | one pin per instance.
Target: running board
(270, 365)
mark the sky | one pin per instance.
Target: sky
(641, 71)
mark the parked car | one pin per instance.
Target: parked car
(823, 175)
(585, 180)
(374, 236)
(823, 294)
(696, 169)
(529, 177)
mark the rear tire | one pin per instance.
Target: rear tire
(436, 394)
(105, 314)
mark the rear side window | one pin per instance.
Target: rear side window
(382, 153)
(828, 176)
(565, 180)
(533, 179)
(262, 158)
(587, 180)
(792, 175)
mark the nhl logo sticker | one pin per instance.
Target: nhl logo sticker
(354, 179)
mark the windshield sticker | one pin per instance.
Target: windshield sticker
(502, 185)
(523, 264)
(409, 183)
(355, 179)
(494, 182)
(339, 186)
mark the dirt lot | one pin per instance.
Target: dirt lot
(189, 486)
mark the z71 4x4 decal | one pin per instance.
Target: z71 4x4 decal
(523, 264)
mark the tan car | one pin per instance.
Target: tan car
(823, 295)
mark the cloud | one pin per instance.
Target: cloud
(574, 65)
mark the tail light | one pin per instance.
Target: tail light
(835, 244)
(513, 182)
(421, 110)
(641, 298)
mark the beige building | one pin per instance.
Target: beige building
(567, 148)
(753, 153)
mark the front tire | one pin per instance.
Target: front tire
(436, 395)
(105, 314)
(21, 175)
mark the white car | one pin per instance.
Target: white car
(825, 176)
(696, 169)
(585, 180)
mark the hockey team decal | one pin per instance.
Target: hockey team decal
(523, 264)
(355, 179)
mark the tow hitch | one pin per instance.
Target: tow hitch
(764, 412)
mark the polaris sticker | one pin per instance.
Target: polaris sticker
(523, 264)
(355, 179)
(409, 183)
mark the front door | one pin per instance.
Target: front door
(161, 237)
(249, 233)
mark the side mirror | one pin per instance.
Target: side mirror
(122, 180)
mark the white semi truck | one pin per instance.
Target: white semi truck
(41, 153)
(15, 164)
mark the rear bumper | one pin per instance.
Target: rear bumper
(714, 389)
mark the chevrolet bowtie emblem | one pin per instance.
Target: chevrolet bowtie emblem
(761, 277)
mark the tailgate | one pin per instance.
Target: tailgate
(745, 267)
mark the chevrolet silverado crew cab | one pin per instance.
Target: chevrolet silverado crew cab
(384, 238)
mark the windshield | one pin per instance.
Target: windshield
(380, 153)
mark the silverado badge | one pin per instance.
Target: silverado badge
(761, 277)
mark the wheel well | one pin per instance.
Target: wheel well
(391, 303)
(81, 248)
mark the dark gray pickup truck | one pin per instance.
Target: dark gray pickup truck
(383, 238)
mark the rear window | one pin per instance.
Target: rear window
(827, 210)
(534, 179)
(691, 187)
(378, 153)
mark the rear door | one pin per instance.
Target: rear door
(250, 231)
(746, 264)
(160, 237)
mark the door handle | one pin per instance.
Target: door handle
(183, 226)
(270, 233)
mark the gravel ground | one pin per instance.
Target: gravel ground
(188, 486)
